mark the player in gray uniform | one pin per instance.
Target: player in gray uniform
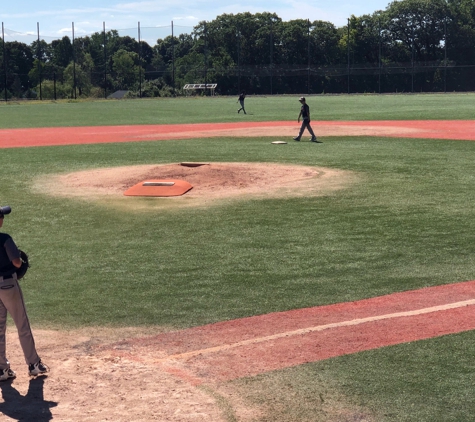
(305, 115)
(11, 301)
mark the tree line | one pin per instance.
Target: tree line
(412, 45)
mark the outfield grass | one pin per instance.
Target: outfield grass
(407, 223)
(224, 109)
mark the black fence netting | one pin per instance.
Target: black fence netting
(161, 61)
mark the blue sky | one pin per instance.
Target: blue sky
(55, 17)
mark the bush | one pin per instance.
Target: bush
(96, 92)
(2, 95)
(63, 91)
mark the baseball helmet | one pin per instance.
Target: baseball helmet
(5, 210)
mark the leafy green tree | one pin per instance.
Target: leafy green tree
(127, 69)
(78, 78)
(461, 31)
(419, 26)
(294, 42)
(19, 61)
(42, 50)
(246, 38)
(324, 44)
(62, 52)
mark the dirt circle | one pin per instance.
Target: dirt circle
(212, 183)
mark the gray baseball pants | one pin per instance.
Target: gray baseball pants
(306, 125)
(11, 301)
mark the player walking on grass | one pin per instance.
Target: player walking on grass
(241, 101)
(11, 301)
(305, 115)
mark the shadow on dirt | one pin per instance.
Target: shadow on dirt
(31, 407)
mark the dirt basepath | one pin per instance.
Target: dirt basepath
(11, 138)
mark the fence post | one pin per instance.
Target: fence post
(445, 54)
(239, 58)
(272, 56)
(38, 53)
(4, 64)
(140, 65)
(379, 56)
(173, 61)
(206, 56)
(348, 52)
(74, 66)
(412, 59)
(308, 56)
(105, 60)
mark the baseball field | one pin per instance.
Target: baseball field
(294, 282)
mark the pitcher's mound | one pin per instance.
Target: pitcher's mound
(213, 183)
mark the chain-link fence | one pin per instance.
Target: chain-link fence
(159, 61)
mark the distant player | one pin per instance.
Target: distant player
(241, 101)
(305, 115)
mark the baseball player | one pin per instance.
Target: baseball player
(241, 101)
(11, 301)
(305, 115)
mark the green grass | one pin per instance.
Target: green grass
(426, 381)
(407, 222)
(404, 225)
(224, 109)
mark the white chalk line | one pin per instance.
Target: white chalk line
(317, 328)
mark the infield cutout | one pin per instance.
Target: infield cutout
(159, 188)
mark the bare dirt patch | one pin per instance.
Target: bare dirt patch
(212, 182)
(88, 385)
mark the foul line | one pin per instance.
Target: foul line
(319, 328)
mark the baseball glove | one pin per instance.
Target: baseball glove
(20, 272)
